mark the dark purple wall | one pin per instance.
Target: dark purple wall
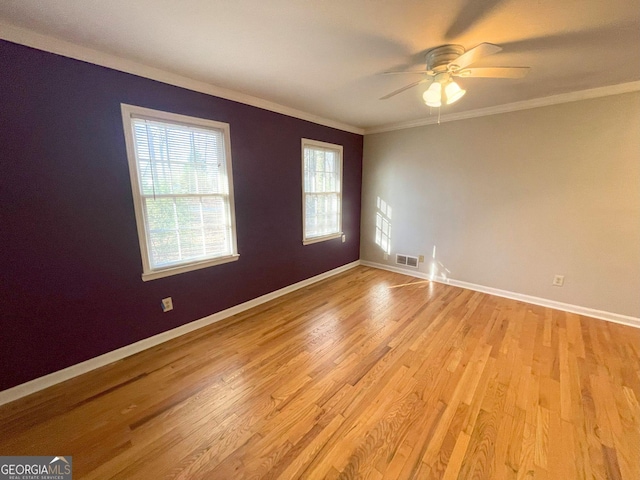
(70, 259)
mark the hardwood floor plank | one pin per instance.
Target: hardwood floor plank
(368, 374)
(292, 465)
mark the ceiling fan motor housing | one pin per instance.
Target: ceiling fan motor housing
(439, 58)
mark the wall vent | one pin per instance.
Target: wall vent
(407, 260)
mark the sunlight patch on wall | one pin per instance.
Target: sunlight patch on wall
(383, 225)
(437, 270)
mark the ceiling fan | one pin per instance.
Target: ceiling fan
(446, 62)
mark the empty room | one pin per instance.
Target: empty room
(305, 239)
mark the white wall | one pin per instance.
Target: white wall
(510, 200)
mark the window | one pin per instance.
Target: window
(321, 191)
(182, 189)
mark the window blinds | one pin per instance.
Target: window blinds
(184, 190)
(322, 191)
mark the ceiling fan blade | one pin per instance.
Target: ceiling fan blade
(407, 87)
(475, 54)
(493, 72)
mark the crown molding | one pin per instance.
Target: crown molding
(54, 45)
(513, 107)
(50, 44)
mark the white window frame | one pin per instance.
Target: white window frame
(329, 146)
(132, 111)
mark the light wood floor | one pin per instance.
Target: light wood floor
(369, 374)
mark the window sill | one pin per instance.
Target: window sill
(309, 241)
(188, 268)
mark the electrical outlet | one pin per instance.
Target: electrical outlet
(558, 280)
(421, 258)
(385, 256)
(167, 304)
(344, 238)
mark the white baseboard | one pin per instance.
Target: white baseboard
(41, 383)
(567, 307)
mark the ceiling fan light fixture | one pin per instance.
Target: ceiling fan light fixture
(445, 62)
(433, 95)
(453, 92)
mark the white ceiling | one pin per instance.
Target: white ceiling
(324, 57)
